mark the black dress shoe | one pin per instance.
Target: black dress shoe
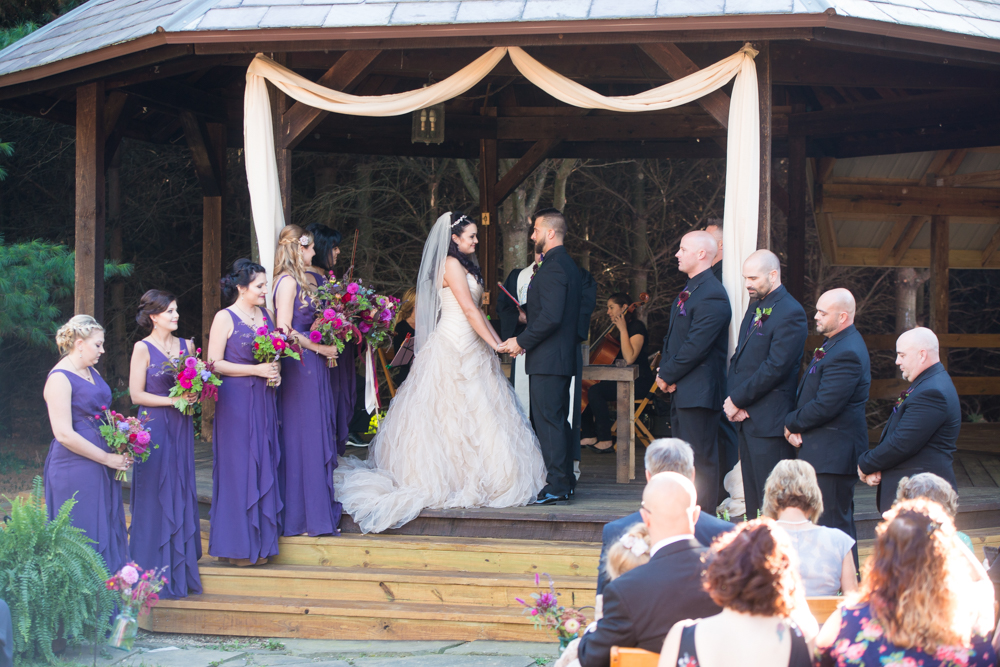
(550, 499)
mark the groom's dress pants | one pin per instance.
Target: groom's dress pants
(549, 410)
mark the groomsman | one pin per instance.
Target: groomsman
(763, 373)
(693, 366)
(922, 430)
(828, 423)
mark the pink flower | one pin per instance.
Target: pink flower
(139, 449)
(364, 327)
(353, 288)
(534, 612)
(315, 336)
(191, 362)
(855, 651)
(189, 373)
(104, 407)
(279, 344)
(262, 331)
(130, 574)
(329, 314)
(142, 437)
(184, 382)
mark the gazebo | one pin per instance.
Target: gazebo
(839, 83)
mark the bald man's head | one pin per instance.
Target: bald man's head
(834, 312)
(669, 504)
(916, 351)
(696, 253)
(761, 273)
(716, 231)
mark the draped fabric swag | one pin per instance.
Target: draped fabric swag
(743, 147)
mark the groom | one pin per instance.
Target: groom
(552, 346)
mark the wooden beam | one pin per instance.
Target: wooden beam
(283, 155)
(213, 225)
(763, 62)
(205, 163)
(90, 212)
(117, 112)
(976, 178)
(537, 154)
(677, 65)
(346, 73)
(917, 258)
(898, 227)
(888, 341)
(911, 200)
(488, 221)
(939, 275)
(796, 218)
(991, 248)
(178, 96)
(913, 228)
(940, 157)
(617, 127)
(827, 237)
(825, 169)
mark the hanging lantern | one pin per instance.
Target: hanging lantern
(428, 125)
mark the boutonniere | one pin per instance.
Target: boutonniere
(538, 265)
(902, 397)
(759, 317)
(681, 298)
(818, 354)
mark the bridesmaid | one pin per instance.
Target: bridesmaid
(305, 406)
(166, 528)
(79, 461)
(344, 377)
(246, 504)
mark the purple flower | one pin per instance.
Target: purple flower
(364, 327)
(190, 362)
(315, 336)
(353, 288)
(386, 316)
(262, 331)
(123, 427)
(329, 314)
(205, 376)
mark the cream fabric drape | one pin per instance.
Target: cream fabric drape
(743, 147)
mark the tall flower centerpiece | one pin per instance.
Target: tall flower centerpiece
(125, 435)
(192, 376)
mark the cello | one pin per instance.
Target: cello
(607, 349)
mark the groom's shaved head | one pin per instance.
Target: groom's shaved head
(552, 218)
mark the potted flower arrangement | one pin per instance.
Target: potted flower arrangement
(192, 376)
(565, 623)
(137, 592)
(126, 435)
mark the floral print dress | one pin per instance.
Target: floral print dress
(862, 642)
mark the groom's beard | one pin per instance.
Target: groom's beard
(539, 247)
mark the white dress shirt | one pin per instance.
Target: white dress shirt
(669, 540)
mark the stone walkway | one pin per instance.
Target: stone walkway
(160, 650)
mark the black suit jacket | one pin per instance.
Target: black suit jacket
(920, 435)
(830, 405)
(706, 530)
(642, 605)
(694, 349)
(764, 370)
(553, 309)
(507, 309)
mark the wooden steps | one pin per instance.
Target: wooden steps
(384, 587)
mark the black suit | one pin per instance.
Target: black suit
(551, 340)
(830, 414)
(588, 302)
(642, 605)
(729, 448)
(705, 530)
(919, 437)
(763, 375)
(694, 358)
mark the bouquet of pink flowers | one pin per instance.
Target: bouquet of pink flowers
(269, 346)
(546, 612)
(332, 328)
(126, 435)
(369, 314)
(138, 591)
(192, 376)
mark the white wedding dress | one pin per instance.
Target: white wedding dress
(453, 436)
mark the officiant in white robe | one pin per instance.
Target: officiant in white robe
(513, 322)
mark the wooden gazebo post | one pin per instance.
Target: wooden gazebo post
(763, 63)
(89, 243)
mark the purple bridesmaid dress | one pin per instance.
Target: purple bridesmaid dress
(246, 504)
(99, 509)
(343, 381)
(308, 436)
(166, 528)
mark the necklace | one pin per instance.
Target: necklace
(89, 377)
(164, 349)
(253, 317)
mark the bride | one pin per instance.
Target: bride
(454, 435)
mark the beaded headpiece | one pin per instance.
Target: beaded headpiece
(460, 219)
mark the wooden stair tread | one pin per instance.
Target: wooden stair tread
(281, 571)
(350, 608)
(434, 543)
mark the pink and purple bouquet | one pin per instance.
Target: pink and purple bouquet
(269, 346)
(126, 435)
(546, 613)
(370, 315)
(139, 593)
(192, 375)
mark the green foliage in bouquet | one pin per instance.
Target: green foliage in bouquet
(50, 577)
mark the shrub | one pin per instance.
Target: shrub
(51, 577)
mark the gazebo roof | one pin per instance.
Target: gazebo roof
(118, 27)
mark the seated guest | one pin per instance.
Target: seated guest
(930, 486)
(406, 322)
(662, 455)
(765, 619)
(632, 335)
(792, 498)
(6, 636)
(909, 609)
(642, 605)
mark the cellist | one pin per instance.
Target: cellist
(632, 335)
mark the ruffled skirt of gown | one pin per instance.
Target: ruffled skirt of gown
(453, 437)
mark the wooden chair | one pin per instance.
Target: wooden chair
(641, 432)
(633, 657)
(824, 607)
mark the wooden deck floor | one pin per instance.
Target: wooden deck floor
(599, 500)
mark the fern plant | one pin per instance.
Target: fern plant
(50, 577)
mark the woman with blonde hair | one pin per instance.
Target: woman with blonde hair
(306, 407)
(79, 462)
(910, 607)
(793, 499)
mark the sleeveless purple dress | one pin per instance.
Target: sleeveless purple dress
(308, 436)
(166, 528)
(246, 504)
(343, 381)
(99, 509)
